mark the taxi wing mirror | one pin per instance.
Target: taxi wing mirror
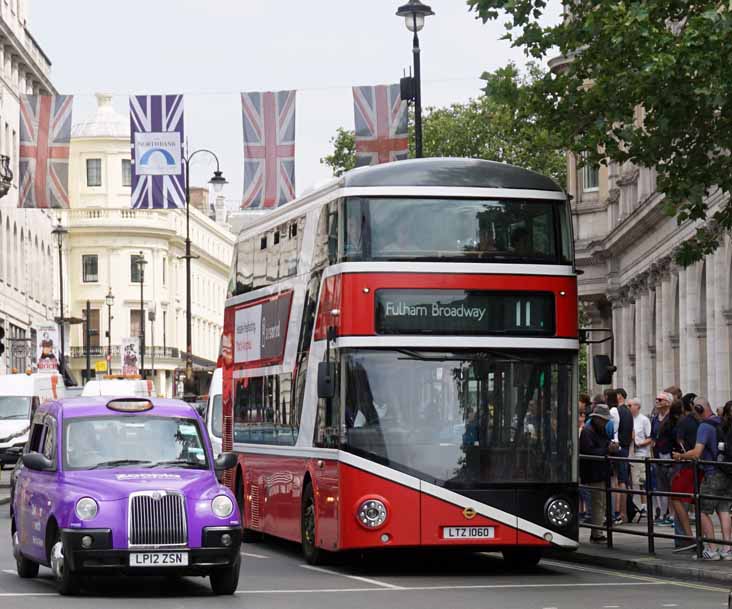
(224, 461)
(37, 461)
(326, 380)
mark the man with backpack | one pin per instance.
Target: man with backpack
(711, 445)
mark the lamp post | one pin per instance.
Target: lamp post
(109, 300)
(59, 231)
(218, 181)
(414, 13)
(141, 262)
(151, 314)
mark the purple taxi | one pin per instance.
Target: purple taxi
(124, 485)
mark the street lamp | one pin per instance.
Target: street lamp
(414, 13)
(141, 262)
(109, 300)
(218, 181)
(58, 232)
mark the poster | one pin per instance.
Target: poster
(130, 356)
(47, 352)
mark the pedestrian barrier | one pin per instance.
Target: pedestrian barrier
(650, 533)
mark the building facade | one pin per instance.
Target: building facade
(26, 246)
(671, 325)
(101, 253)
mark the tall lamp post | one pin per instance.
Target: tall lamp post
(59, 231)
(218, 181)
(141, 262)
(109, 300)
(414, 13)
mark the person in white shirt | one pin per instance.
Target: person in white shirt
(641, 449)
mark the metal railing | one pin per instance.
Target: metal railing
(649, 493)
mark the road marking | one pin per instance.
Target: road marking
(365, 580)
(673, 605)
(12, 594)
(640, 578)
(9, 571)
(250, 555)
(611, 607)
(437, 588)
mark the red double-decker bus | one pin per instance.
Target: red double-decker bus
(400, 363)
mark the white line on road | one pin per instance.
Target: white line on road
(9, 571)
(365, 580)
(11, 594)
(673, 605)
(639, 578)
(611, 607)
(250, 555)
(437, 588)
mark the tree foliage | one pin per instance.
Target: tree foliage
(648, 82)
(492, 127)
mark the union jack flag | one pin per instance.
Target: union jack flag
(269, 148)
(45, 131)
(381, 124)
(157, 114)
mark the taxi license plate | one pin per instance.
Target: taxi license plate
(468, 532)
(159, 559)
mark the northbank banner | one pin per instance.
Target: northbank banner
(260, 331)
(157, 138)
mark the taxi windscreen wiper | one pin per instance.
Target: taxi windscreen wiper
(117, 462)
(178, 463)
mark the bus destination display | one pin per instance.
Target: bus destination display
(421, 311)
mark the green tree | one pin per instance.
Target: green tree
(647, 81)
(492, 127)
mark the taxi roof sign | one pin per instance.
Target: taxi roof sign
(130, 405)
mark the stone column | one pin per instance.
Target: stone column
(690, 377)
(629, 361)
(617, 327)
(643, 354)
(685, 351)
(666, 331)
(718, 350)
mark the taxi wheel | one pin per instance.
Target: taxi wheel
(313, 554)
(225, 581)
(522, 558)
(67, 582)
(26, 568)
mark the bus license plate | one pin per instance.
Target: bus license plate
(159, 559)
(468, 532)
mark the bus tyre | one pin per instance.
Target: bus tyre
(225, 581)
(313, 554)
(522, 558)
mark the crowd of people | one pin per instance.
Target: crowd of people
(683, 430)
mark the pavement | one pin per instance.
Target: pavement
(275, 576)
(630, 554)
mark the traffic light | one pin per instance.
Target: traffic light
(2, 337)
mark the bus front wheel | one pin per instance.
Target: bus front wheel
(313, 554)
(522, 558)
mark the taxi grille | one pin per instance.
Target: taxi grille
(157, 518)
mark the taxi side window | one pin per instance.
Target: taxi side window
(49, 440)
(36, 437)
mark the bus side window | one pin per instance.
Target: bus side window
(261, 245)
(244, 266)
(273, 256)
(326, 237)
(288, 250)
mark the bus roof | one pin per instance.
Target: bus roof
(455, 172)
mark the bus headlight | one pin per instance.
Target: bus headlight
(222, 506)
(86, 508)
(559, 512)
(372, 513)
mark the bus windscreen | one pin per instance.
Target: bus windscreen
(500, 230)
(463, 418)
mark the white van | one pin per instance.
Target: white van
(20, 395)
(130, 388)
(214, 411)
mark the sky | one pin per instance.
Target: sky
(211, 50)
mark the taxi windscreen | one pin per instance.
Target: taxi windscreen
(133, 441)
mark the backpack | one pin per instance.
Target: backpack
(723, 456)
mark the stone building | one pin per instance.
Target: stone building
(26, 246)
(101, 251)
(671, 325)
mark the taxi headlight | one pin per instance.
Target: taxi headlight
(86, 508)
(222, 506)
(559, 512)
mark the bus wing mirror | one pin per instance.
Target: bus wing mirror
(603, 368)
(326, 380)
